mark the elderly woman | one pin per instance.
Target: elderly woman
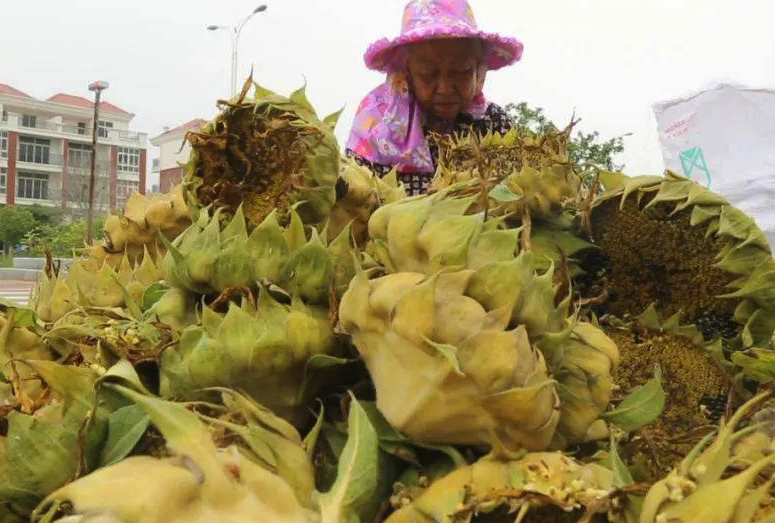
(435, 74)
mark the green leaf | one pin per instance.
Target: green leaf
(20, 316)
(449, 352)
(152, 294)
(553, 239)
(125, 428)
(123, 373)
(622, 476)
(357, 479)
(395, 443)
(321, 369)
(333, 118)
(501, 193)
(299, 97)
(311, 439)
(641, 407)
(131, 305)
(336, 438)
(758, 364)
(325, 361)
(187, 436)
(74, 384)
(274, 441)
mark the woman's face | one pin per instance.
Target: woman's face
(443, 75)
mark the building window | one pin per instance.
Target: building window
(103, 128)
(33, 186)
(3, 179)
(5, 115)
(124, 190)
(3, 144)
(128, 160)
(34, 150)
(81, 127)
(29, 120)
(79, 156)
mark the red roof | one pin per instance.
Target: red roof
(192, 125)
(78, 101)
(12, 91)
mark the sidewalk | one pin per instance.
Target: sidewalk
(17, 291)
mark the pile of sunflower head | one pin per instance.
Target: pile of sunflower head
(288, 338)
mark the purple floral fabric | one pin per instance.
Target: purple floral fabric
(428, 19)
(388, 127)
(388, 132)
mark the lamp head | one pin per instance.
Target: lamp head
(99, 85)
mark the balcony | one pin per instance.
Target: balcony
(39, 157)
(82, 165)
(13, 121)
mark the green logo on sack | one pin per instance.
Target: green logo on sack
(694, 166)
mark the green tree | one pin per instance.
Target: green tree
(46, 215)
(15, 223)
(588, 151)
(63, 239)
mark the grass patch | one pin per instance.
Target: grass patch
(6, 260)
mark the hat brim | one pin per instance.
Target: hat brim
(499, 51)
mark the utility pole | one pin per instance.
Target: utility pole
(97, 87)
(235, 32)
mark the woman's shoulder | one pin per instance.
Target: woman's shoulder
(494, 119)
(497, 119)
(495, 110)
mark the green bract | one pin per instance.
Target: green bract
(435, 234)
(206, 259)
(465, 376)
(94, 283)
(261, 350)
(359, 193)
(143, 219)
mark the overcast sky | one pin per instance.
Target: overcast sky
(610, 60)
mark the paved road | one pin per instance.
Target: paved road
(18, 291)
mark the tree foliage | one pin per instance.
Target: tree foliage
(46, 215)
(15, 222)
(63, 239)
(588, 151)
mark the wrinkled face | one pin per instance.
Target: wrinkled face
(443, 75)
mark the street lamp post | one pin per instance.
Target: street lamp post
(97, 87)
(235, 32)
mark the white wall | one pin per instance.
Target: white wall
(170, 153)
(107, 117)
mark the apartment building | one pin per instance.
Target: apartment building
(173, 150)
(45, 152)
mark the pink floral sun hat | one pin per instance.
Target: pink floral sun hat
(434, 19)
